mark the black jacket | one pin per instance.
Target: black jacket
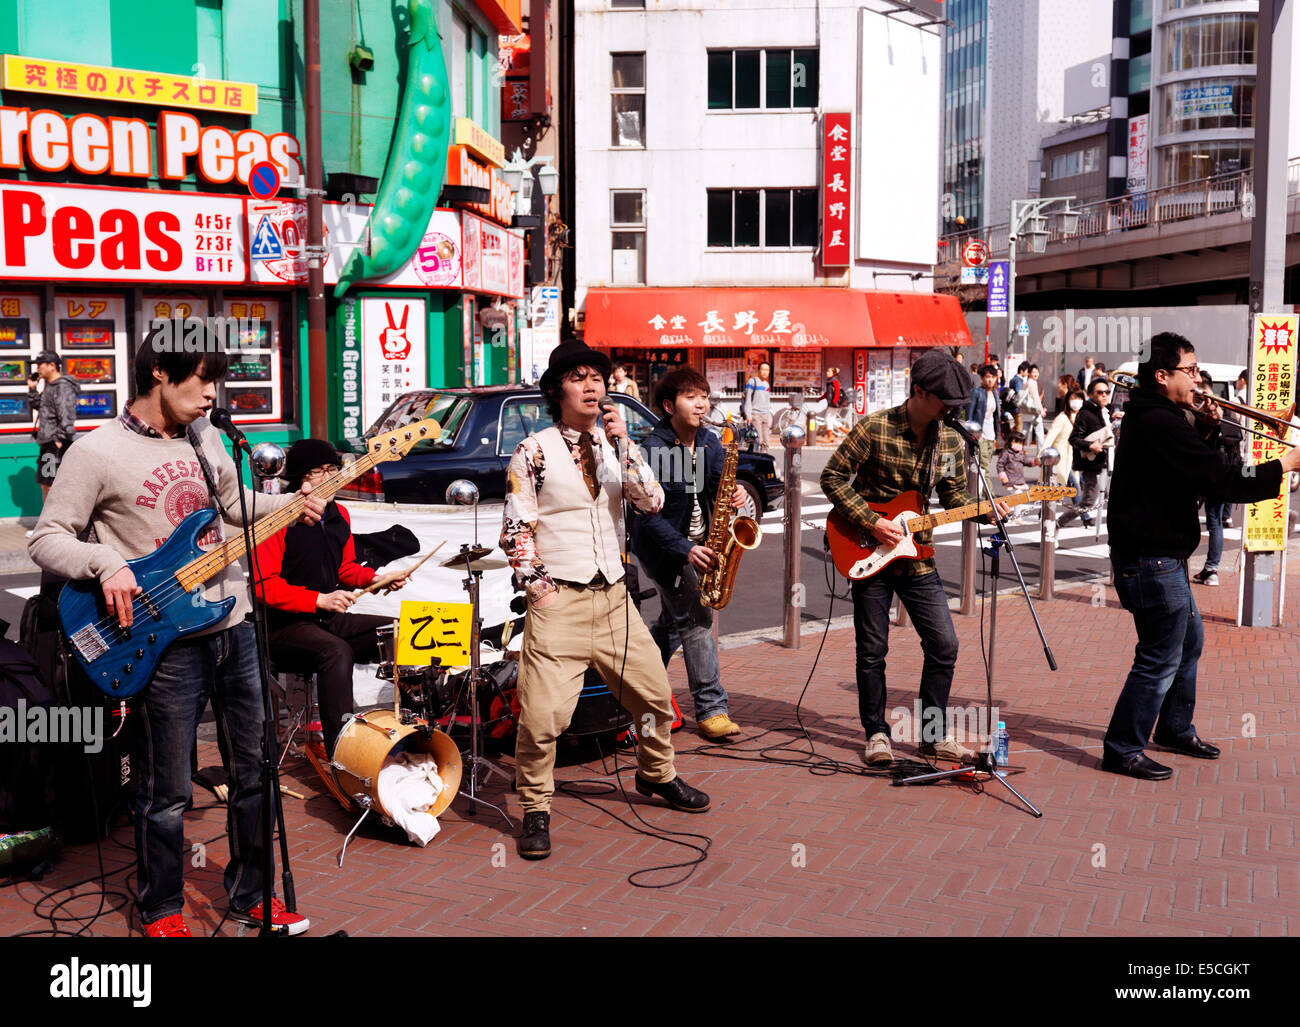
(659, 540)
(1162, 465)
(1087, 421)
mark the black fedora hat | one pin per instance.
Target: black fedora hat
(573, 353)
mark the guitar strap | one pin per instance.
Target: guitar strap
(192, 434)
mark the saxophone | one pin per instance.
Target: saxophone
(727, 538)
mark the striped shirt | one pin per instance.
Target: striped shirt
(881, 458)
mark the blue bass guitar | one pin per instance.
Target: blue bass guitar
(121, 661)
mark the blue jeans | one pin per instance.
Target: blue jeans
(1161, 686)
(685, 622)
(221, 667)
(1215, 515)
(927, 605)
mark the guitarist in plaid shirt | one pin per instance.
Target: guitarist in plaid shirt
(890, 452)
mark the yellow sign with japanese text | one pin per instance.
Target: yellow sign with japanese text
(426, 631)
(124, 85)
(480, 142)
(1271, 388)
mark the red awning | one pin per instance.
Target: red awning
(771, 318)
(505, 16)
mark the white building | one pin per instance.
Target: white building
(700, 157)
(1029, 46)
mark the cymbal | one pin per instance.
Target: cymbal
(473, 552)
(484, 565)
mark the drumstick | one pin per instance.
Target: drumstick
(407, 574)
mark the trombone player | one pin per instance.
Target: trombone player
(1162, 465)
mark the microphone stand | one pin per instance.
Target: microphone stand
(272, 808)
(984, 759)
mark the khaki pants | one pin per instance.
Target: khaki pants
(763, 425)
(585, 628)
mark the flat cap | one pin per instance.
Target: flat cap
(937, 372)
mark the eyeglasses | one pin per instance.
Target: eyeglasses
(322, 472)
(1192, 370)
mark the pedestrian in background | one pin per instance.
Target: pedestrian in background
(620, 382)
(1011, 470)
(983, 410)
(1216, 513)
(1092, 438)
(756, 407)
(56, 409)
(1058, 438)
(1031, 407)
(1065, 384)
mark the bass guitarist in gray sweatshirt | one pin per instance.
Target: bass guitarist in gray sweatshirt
(120, 493)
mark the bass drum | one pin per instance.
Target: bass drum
(368, 739)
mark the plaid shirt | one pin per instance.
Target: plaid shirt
(130, 422)
(882, 458)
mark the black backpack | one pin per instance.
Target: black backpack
(26, 768)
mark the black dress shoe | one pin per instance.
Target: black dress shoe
(534, 840)
(1190, 747)
(677, 793)
(1139, 766)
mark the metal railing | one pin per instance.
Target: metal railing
(1186, 201)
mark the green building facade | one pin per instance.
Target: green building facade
(71, 283)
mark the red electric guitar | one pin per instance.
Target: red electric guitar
(857, 553)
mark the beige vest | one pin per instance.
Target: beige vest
(577, 535)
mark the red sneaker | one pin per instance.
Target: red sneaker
(281, 918)
(173, 926)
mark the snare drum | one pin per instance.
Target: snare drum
(368, 739)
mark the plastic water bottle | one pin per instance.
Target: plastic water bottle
(1001, 745)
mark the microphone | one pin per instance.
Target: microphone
(220, 418)
(953, 420)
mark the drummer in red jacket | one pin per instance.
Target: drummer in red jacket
(302, 567)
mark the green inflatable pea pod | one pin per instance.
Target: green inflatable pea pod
(415, 173)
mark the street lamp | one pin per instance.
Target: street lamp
(518, 174)
(1029, 220)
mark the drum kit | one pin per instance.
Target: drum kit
(433, 702)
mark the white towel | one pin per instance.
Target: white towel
(409, 782)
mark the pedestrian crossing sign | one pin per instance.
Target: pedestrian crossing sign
(266, 244)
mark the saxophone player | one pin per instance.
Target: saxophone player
(671, 544)
(561, 534)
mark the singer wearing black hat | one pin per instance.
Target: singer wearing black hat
(564, 535)
(309, 627)
(907, 447)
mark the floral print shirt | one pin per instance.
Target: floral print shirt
(526, 474)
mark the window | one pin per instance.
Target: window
(519, 418)
(639, 426)
(628, 237)
(1080, 162)
(771, 218)
(628, 100)
(1210, 40)
(762, 79)
(630, 5)
(1207, 103)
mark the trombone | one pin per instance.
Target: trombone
(1278, 428)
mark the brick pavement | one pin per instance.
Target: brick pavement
(1211, 852)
